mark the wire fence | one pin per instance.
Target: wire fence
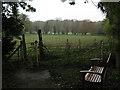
(97, 49)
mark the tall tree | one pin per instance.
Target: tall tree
(25, 20)
(46, 27)
(12, 25)
(112, 14)
(112, 10)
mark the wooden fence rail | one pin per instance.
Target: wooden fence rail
(14, 52)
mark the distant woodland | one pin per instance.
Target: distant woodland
(58, 26)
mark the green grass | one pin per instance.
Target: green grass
(54, 40)
(65, 68)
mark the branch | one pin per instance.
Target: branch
(94, 4)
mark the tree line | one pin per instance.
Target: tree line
(64, 27)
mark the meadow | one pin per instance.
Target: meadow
(54, 40)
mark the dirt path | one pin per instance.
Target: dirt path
(38, 79)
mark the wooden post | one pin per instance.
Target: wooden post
(79, 46)
(67, 49)
(67, 45)
(23, 44)
(24, 47)
(67, 42)
(18, 54)
(21, 50)
(36, 52)
(95, 43)
(101, 49)
(41, 54)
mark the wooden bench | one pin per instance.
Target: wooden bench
(96, 74)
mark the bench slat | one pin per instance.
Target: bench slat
(98, 78)
(94, 77)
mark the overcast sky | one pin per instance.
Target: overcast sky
(52, 9)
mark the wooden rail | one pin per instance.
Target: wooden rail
(13, 52)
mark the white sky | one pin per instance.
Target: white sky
(51, 9)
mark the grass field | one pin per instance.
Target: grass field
(62, 39)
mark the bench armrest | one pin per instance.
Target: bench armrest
(95, 59)
(93, 72)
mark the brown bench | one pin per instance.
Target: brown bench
(96, 74)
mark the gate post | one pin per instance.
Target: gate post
(23, 44)
(41, 53)
(101, 49)
(79, 44)
(36, 52)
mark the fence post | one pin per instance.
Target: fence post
(95, 43)
(41, 53)
(67, 43)
(18, 54)
(101, 49)
(23, 44)
(21, 49)
(79, 46)
(67, 48)
(36, 52)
